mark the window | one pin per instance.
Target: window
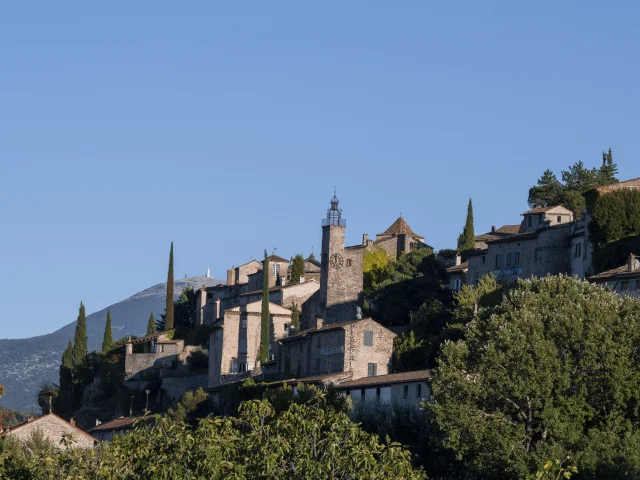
(368, 338)
(624, 285)
(378, 394)
(372, 370)
(286, 327)
(276, 269)
(540, 219)
(516, 258)
(577, 250)
(209, 295)
(419, 389)
(242, 345)
(509, 260)
(405, 392)
(529, 221)
(559, 219)
(498, 260)
(362, 393)
(385, 396)
(348, 262)
(243, 323)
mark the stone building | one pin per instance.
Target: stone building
(544, 217)
(341, 280)
(405, 389)
(457, 274)
(624, 280)
(312, 268)
(495, 234)
(105, 432)
(148, 354)
(358, 348)
(58, 431)
(235, 343)
(397, 239)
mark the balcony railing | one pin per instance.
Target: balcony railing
(338, 222)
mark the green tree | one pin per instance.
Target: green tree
(168, 311)
(107, 341)
(608, 170)
(66, 369)
(548, 192)
(487, 293)
(192, 407)
(263, 354)
(151, 325)
(80, 338)
(297, 269)
(467, 239)
(551, 371)
(295, 317)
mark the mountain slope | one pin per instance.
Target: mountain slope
(28, 363)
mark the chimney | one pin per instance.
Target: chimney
(72, 422)
(458, 258)
(493, 229)
(365, 239)
(283, 280)
(632, 262)
(319, 323)
(301, 279)
(231, 276)
(98, 422)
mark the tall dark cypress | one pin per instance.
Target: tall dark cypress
(80, 339)
(168, 314)
(466, 241)
(151, 326)
(107, 340)
(66, 369)
(263, 354)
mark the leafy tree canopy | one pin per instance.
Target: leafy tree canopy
(297, 269)
(553, 370)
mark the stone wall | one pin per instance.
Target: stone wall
(53, 428)
(358, 356)
(141, 363)
(176, 387)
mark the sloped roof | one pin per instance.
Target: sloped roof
(509, 229)
(634, 182)
(53, 415)
(121, 423)
(614, 272)
(389, 379)
(277, 259)
(399, 227)
(546, 209)
(331, 326)
(256, 307)
(458, 268)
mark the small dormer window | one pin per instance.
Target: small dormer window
(559, 219)
(529, 221)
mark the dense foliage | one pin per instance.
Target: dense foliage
(615, 221)
(466, 240)
(151, 325)
(295, 317)
(305, 441)
(553, 370)
(80, 338)
(575, 182)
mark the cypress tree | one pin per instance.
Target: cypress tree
(168, 313)
(107, 340)
(297, 269)
(80, 339)
(66, 368)
(263, 354)
(151, 326)
(295, 317)
(466, 241)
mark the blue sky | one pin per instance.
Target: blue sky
(225, 127)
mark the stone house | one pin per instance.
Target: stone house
(457, 274)
(624, 280)
(149, 354)
(495, 234)
(235, 342)
(58, 431)
(359, 348)
(240, 275)
(405, 389)
(544, 217)
(396, 239)
(104, 432)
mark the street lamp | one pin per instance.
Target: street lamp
(147, 391)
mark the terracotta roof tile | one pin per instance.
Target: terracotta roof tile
(399, 227)
(118, 424)
(388, 379)
(458, 268)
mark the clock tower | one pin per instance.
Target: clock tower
(341, 269)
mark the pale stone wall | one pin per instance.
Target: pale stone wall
(176, 387)
(138, 363)
(358, 356)
(396, 393)
(53, 428)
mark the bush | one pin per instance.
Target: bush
(198, 360)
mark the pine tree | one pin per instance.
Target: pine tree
(295, 317)
(466, 241)
(297, 269)
(80, 339)
(66, 368)
(168, 318)
(263, 354)
(107, 340)
(151, 326)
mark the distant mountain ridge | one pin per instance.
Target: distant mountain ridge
(26, 364)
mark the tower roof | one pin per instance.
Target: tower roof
(399, 227)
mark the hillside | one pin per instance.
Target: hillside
(29, 363)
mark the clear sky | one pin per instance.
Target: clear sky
(225, 126)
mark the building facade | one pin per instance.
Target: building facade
(624, 280)
(58, 431)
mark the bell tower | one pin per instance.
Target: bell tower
(341, 269)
